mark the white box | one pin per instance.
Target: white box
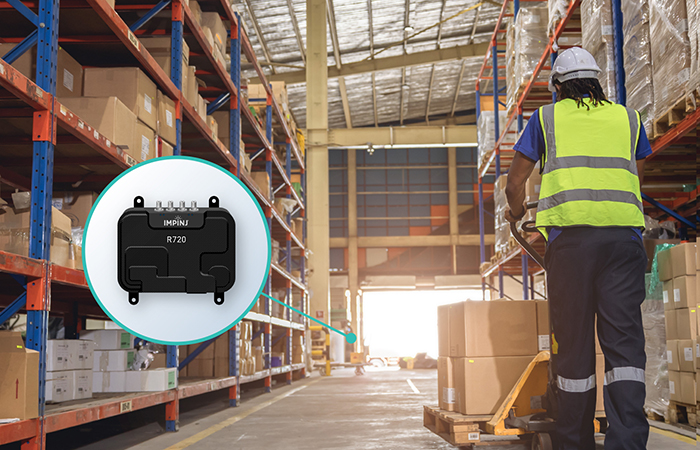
(151, 380)
(59, 386)
(82, 384)
(61, 354)
(85, 353)
(109, 382)
(109, 339)
(112, 360)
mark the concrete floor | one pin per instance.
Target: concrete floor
(377, 411)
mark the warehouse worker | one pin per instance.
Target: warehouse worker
(590, 211)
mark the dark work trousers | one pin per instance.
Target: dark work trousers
(598, 272)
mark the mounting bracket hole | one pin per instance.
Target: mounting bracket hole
(138, 203)
(133, 298)
(219, 299)
(214, 201)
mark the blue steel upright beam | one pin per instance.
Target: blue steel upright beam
(235, 113)
(268, 284)
(234, 393)
(288, 260)
(42, 187)
(177, 35)
(618, 37)
(525, 275)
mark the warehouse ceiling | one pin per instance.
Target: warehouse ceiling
(360, 30)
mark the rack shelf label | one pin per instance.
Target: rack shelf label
(125, 406)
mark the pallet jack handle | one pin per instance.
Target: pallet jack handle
(529, 227)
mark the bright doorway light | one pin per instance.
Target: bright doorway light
(403, 323)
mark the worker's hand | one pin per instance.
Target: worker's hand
(514, 218)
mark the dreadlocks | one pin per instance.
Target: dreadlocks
(579, 88)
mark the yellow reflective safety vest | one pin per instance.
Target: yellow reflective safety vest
(590, 170)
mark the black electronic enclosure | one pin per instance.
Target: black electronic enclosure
(176, 249)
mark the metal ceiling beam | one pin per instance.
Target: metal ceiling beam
(411, 241)
(371, 52)
(461, 70)
(297, 30)
(454, 135)
(259, 34)
(330, 13)
(432, 69)
(404, 89)
(374, 100)
(391, 62)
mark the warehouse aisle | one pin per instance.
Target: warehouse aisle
(380, 410)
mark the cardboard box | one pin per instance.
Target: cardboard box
(19, 378)
(166, 119)
(697, 353)
(82, 384)
(650, 247)
(196, 11)
(213, 126)
(543, 328)
(109, 382)
(697, 391)
(109, 339)
(663, 260)
(477, 329)
(165, 148)
(443, 330)
(667, 293)
(189, 86)
(130, 85)
(446, 388)
(201, 108)
(262, 181)
(75, 205)
(221, 367)
(258, 96)
(68, 70)
(108, 115)
(61, 354)
(672, 355)
(481, 384)
(143, 147)
(686, 355)
(59, 386)
(683, 259)
(671, 324)
(160, 361)
(160, 48)
(151, 380)
(85, 354)
(688, 388)
(113, 360)
(686, 323)
(213, 21)
(201, 367)
(14, 234)
(674, 385)
(684, 291)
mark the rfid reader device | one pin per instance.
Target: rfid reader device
(176, 249)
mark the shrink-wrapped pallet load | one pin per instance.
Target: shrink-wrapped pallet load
(670, 53)
(597, 32)
(485, 132)
(637, 57)
(501, 225)
(693, 12)
(557, 11)
(525, 44)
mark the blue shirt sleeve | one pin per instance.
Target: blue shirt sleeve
(643, 145)
(531, 144)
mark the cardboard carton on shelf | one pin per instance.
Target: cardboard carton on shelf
(201, 108)
(109, 382)
(109, 339)
(196, 11)
(85, 354)
(686, 323)
(130, 85)
(82, 384)
(75, 205)
(108, 115)
(113, 360)
(663, 260)
(189, 86)
(164, 149)
(262, 181)
(688, 388)
(161, 50)
(59, 386)
(684, 291)
(61, 354)
(151, 380)
(674, 385)
(667, 294)
(257, 93)
(683, 259)
(201, 367)
(672, 355)
(19, 378)
(697, 354)
(671, 324)
(166, 126)
(14, 234)
(69, 71)
(650, 247)
(686, 356)
(143, 146)
(213, 21)
(213, 126)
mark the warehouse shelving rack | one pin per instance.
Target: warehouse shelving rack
(675, 144)
(67, 150)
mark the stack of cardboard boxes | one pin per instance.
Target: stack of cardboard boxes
(114, 354)
(480, 363)
(19, 378)
(69, 364)
(677, 270)
(213, 362)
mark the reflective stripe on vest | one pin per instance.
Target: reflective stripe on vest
(590, 171)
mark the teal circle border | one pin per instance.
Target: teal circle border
(262, 215)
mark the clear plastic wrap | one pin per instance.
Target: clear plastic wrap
(528, 41)
(655, 346)
(557, 11)
(693, 12)
(597, 38)
(485, 132)
(637, 59)
(501, 225)
(670, 53)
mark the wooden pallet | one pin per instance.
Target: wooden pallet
(682, 414)
(673, 116)
(455, 428)
(651, 415)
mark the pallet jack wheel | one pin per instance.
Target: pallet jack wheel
(322, 371)
(542, 441)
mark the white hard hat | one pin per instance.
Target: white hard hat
(573, 63)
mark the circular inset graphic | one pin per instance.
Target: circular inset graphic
(176, 250)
